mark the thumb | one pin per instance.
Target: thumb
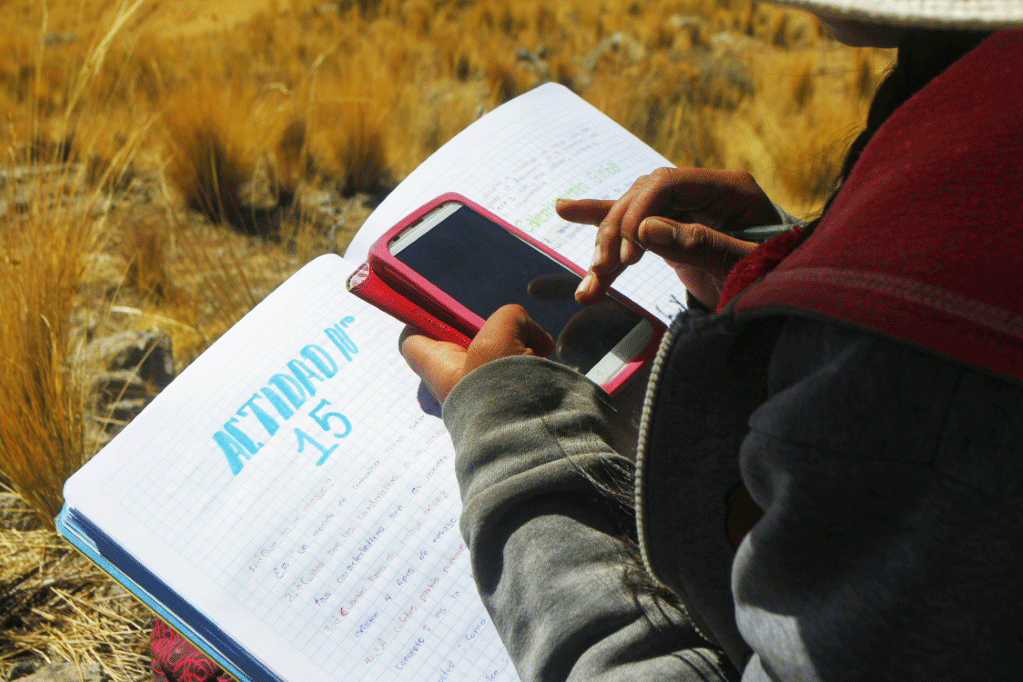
(509, 331)
(693, 244)
(439, 364)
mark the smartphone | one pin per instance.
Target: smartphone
(461, 263)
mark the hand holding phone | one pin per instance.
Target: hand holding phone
(509, 332)
(457, 263)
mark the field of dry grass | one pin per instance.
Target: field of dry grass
(166, 164)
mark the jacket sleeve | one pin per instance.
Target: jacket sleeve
(547, 534)
(888, 548)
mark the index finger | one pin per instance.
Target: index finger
(585, 211)
(605, 215)
(606, 264)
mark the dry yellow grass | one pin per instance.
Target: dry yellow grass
(350, 97)
(210, 157)
(52, 223)
(130, 129)
(41, 418)
(56, 605)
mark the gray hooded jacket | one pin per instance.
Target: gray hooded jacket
(890, 482)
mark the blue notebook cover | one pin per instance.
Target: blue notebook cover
(164, 602)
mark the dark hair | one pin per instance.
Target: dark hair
(923, 54)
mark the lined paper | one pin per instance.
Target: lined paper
(322, 532)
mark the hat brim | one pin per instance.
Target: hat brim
(948, 14)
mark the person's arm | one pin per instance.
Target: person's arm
(547, 543)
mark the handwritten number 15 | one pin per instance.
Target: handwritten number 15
(345, 427)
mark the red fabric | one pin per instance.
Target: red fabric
(175, 659)
(923, 243)
(758, 263)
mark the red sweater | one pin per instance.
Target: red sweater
(924, 243)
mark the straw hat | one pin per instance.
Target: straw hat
(982, 14)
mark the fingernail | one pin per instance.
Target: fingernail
(629, 253)
(585, 285)
(659, 231)
(598, 256)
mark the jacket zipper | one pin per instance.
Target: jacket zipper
(642, 443)
(643, 436)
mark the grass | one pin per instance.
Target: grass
(56, 605)
(162, 167)
(209, 163)
(41, 417)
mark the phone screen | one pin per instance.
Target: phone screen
(484, 266)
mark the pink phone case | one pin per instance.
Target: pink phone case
(391, 286)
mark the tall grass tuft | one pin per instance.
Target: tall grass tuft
(360, 148)
(51, 225)
(42, 434)
(350, 117)
(210, 157)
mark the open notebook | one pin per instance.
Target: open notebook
(289, 502)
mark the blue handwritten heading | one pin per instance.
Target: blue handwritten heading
(282, 398)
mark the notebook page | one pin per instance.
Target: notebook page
(297, 487)
(517, 160)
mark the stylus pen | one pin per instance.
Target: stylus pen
(760, 233)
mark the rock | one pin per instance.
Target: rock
(535, 61)
(618, 43)
(686, 32)
(120, 396)
(24, 668)
(123, 411)
(16, 515)
(139, 364)
(22, 199)
(736, 42)
(147, 354)
(725, 82)
(723, 79)
(67, 672)
(96, 436)
(117, 385)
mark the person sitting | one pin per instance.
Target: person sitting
(828, 477)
